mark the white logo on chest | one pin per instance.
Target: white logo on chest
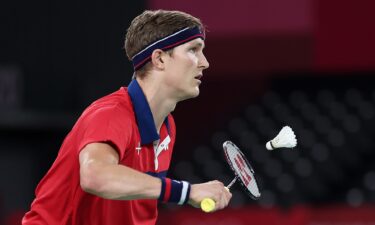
(138, 148)
(158, 148)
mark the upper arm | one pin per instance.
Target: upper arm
(93, 159)
(100, 153)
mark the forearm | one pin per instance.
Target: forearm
(102, 175)
(119, 182)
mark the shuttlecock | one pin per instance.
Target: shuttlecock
(285, 139)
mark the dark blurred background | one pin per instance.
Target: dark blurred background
(309, 64)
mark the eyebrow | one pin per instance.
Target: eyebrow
(199, 44)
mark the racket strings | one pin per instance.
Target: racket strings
(243, 170)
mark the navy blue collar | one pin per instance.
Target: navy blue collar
(143, 114)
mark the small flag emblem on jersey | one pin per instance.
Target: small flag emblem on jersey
(138, 148)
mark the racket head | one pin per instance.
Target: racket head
(242, 169)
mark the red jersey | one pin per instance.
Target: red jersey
(124, 120)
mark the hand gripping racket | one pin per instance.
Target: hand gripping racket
(243, 172)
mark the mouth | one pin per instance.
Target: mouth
(198, 77)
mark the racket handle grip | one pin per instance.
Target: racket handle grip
(208, 204)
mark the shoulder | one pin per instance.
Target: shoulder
(117, 102)
(114, 107)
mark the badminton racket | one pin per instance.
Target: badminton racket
(243, 172)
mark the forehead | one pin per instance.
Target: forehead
(195, 42)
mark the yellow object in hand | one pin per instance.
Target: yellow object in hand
(208, 205)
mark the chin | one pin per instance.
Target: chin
(196, 93)
(191, 95)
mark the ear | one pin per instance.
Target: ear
(158, 59)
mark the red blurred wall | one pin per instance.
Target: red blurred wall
(344, 35)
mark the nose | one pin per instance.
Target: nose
(203, 62)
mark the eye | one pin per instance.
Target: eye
(193, 49)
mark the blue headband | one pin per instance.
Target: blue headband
(178, 38)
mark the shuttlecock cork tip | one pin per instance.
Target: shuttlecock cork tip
(269, 146)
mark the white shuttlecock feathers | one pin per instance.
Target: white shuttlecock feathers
(285, 139)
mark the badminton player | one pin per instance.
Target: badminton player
(111, 168)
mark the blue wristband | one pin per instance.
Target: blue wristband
(174, 191)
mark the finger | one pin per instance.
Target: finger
(228, 194)
(223, 200)
(226, 197)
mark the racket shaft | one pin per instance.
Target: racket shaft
(231, 183)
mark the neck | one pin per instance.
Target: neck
(160, 104)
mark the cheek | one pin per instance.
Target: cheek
(193, 59)
(185, 64)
